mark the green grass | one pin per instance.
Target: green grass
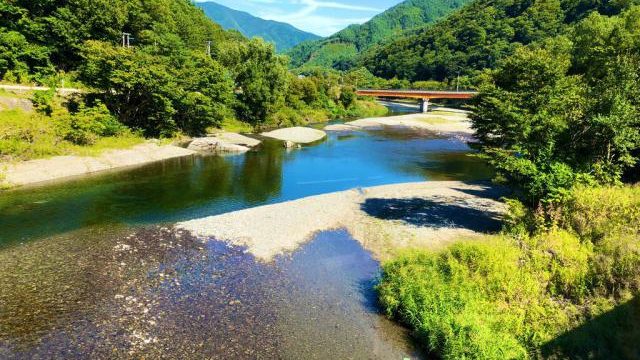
(15, 95)
(513, 296)
(108, 143)
(365, 109)
(235, 125)
(25, 136)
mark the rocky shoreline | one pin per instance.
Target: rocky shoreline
(445, 123)
(383, 218)
(61, 167)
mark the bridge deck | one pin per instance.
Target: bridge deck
(418, 94)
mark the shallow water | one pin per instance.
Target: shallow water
(185, 188)
(158, 293)
(91, 268)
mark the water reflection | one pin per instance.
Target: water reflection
(181, 189)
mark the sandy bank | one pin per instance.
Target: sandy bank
(297, 134)
(383, 218)
(445, 123)
(59, 167)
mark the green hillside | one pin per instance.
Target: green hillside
(477, 36)
(165, 83)
(409, 14)
(283, 35)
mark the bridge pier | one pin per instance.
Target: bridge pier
(424, 105)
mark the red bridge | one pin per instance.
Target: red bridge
(425, 95)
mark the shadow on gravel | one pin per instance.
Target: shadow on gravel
(487, 190)
(433, 213)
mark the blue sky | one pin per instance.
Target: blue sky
(322, 17)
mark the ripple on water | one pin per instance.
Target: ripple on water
(160, 293)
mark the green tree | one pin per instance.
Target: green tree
(561, 112)
(261, 80)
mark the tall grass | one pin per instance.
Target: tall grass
(31, 135)
(506, 296)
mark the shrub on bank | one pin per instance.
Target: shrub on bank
(507, 296)
(55, 130)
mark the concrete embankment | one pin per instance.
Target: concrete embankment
(384, 218)
(60, 167)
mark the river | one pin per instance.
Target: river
(92, 268)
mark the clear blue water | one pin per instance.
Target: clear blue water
(185, 188)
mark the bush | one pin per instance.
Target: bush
(596, 212)
(472, 300)
(508, 296)
(88, 124)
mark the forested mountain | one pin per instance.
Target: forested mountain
(283, 35)
(339, 50)
(166, 81)
(477, 36)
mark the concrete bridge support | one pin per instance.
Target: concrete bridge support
(424, 105)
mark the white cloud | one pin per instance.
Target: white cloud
(317, 16)
(307, 19)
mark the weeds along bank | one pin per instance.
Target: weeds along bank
(560, 121)
(54, 128)
(567, 291)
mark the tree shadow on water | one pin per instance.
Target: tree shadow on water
(612, 335)
(433, 213)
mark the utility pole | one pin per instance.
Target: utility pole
(458, 82)
(126, 40)
(209, 48)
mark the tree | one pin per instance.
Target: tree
(261, 80)
(560, 112)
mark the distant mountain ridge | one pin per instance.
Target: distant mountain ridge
(478, 36)
(283, 35)
(339, 50)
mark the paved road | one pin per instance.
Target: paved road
(63, 91)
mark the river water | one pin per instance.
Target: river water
(91, 268)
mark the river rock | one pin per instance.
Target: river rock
(341, 127)
(215, 145)
(298, 134)
(290, 145)
(223, 142)
(235, 138)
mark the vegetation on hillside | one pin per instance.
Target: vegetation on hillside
(339, 50)
(560, 121)
(282, 35)
(478, 36)
(166, 82)
(565, 110)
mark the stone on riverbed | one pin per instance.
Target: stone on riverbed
(341, 127)
(298, 134)
(224, 143)
(235, 138)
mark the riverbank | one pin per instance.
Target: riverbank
(60, 167)
(383, 219)
(443, 122)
